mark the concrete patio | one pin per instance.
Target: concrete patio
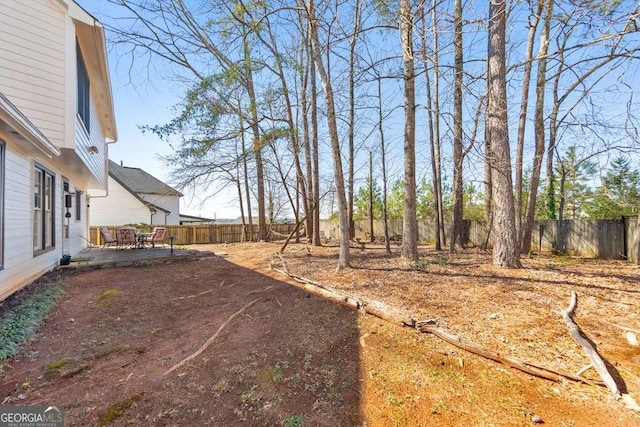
(110, 255)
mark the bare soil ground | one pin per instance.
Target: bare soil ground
(292, 358)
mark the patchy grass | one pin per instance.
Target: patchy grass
(109, 293)
(52, 369)
(23, 312)
(295, 420)
(115, 411)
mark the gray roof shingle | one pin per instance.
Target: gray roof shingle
(138, 181)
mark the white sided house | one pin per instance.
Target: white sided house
(135, 197)
(56, 118)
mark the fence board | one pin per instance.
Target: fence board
(613, 239)
(632, 235)
(588, 238)
(200, 234)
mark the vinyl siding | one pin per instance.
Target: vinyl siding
(94, 162)
(170, 203)
(77, 229)
(20, 266)
(37, 74)
(32, 64)
(119, 208)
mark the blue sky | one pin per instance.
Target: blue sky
(147, 99)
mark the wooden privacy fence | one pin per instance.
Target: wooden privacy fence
(203, 234)
(612, 239)
(609, 239)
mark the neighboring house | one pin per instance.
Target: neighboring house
(135, 197)
(56, 118)
(194, 220)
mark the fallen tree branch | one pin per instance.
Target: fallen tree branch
(624, 328)
(383, 312)
(195, 295)
(592, 353)
(529, 368)
(210, 340)
(335, 295)
(589, 349)
(261, 290)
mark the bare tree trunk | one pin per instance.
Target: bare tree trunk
(436, 125)
(527, 229)
(385, 218)
(371, 236)
(352, 114)
(456, 225)
(315, 151)
(246, 184)
(534, 18)
(488, 188)
(343, 260)
(432, 143)
(550, 201)
(506, 251)
(306, 141)
(561, 190)
(257, 144)
(409, 224)
(242, 159)
(240, 203)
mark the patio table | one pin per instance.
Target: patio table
(141, 239)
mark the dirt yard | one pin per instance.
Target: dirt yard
(279, 355)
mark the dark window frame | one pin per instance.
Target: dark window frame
(84, 90)
(44, 228)
(78, 206)
(2, 185)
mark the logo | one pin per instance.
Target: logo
(31, 416)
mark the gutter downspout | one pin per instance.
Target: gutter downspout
(106, 187)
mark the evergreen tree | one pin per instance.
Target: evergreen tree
(619, 193)
(361, 202)
(573, 192)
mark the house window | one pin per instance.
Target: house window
(1, 204)
(43, 209)
(78, 204)
(84, 99)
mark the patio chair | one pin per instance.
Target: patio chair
(107, 239)
(159, 234)
(125, 237)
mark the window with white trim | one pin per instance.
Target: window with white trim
(43, 209)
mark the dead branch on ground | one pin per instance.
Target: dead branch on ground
(383, 312)
(261, 290)
(210, 340)
(195, 295)
(528, 368)
(592, 353)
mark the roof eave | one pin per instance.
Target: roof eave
(20, 124)
(92, 33)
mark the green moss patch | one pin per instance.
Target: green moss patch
(109, 293)
(116, 410)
